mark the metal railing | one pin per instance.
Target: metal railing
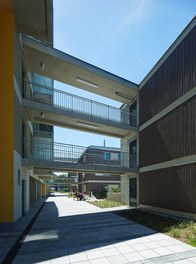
(52, 151)
(63, 100)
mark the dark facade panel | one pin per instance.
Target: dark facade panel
(95, 187)
(173, 78)
(101, 156)
(92, 176)
(171, 188)
(171, 137)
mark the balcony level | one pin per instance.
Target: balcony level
(46, 157)
(54, 107)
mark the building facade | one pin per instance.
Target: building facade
(99, 183)
(165, 144)
(156, 123)
(167, 130)
(22, 187)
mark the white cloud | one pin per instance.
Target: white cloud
(137, 12)
(133, 18)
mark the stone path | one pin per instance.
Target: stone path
(68, 231)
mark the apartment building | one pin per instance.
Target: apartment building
(99, 183)
(156, 122)
(19, 132)
(32, 106)
(72, 181)
(167, 130)
(165, 144)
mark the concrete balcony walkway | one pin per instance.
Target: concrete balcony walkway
(68, 231)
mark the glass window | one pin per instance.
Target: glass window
(133, 153)
(133, 114)
(102, 174)
(107, 156)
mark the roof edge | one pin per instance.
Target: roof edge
(34, 43)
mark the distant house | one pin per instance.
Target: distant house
(99, 183)
(72, 181)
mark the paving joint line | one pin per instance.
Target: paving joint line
(17, 245)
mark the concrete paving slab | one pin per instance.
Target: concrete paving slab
(68, 231)
(192, 259)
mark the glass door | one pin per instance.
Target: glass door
(133, 192)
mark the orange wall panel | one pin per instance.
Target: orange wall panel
(7, 116)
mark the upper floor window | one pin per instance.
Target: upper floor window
(107, 156)
(102, 174)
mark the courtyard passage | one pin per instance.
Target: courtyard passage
(68, 231)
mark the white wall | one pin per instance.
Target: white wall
(26, 173)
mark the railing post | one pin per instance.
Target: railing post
(72, 104)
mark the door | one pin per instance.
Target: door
(23, 197)
(133, 192)
(133, 153)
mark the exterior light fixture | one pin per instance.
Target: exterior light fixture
(87, 125)
(124, 95)
(94, 85)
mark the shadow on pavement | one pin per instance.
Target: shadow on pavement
(52, 236)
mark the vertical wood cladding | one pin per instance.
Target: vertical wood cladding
(175, 77)
(171, 137)
(171, 188)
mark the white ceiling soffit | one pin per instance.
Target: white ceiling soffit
(34, 18)
(45, 60)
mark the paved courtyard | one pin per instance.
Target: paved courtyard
(68, 231)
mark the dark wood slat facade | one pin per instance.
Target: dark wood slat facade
(171, 188)
(172, 137)
(96, 187)
(175, 77)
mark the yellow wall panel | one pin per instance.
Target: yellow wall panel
(43, 190)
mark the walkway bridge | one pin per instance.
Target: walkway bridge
(46, 156)
(55, 107)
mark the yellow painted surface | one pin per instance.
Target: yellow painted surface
(7, 115)
(43, 190)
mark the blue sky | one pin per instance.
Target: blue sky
(124, 37)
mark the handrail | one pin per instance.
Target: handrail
(52, 151)
(63, 100)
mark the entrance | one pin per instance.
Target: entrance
(133, 153)
(133, 192)
(23, 197)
